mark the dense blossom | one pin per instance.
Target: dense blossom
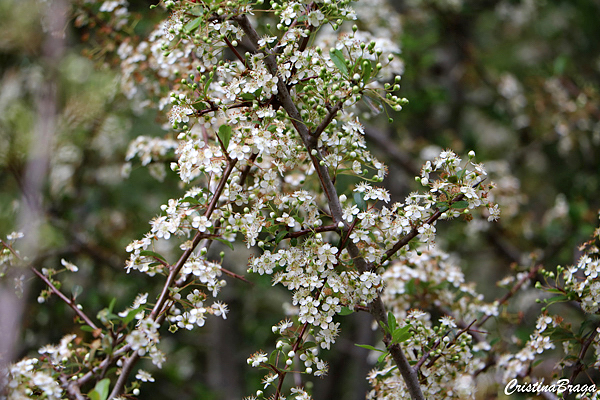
(260, 142)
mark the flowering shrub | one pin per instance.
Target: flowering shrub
(265, 104)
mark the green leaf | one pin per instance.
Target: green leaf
(460, 204)
(280, 236)
(273, 357)
(308, 345)
(197, 11)
(130, 316)
(442, 206)
(366, 71)
(338, 59)
(226, 242)
(86, 328)
(369, 347)
(148, 253)
(391, 321)
(360, 201)
(381, 358)
(248, 96)
(192, 25)
(207, 85)
(401, 334)
(191, 200)
(225, 135)
(111, 306)
(346, 311)
(100, 391)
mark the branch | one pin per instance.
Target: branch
(238, 55)
(532, 273)
(332, 113)
(68, 301)
(302, 232)
(310, 142)
(584, 348)
(159, 307)
(414, 231)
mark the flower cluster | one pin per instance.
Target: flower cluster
(259, 140)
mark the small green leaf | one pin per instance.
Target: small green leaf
(100, 391)
(225, 135)
(453, 179)
(273, 357)
(366, 71)
(460, 204)
(401, 334)
(191, 200)
(197, 11)
(308, 345)
(148, 253)
(360, 201)
(192, 25)
(369, 347)
(207, 85)
(391, 321)
(130, 316)
(442, 206)
(381, 358)
(338, 59)
(111, 306)
(226, 242)
(346, 311)
(280, 236)
(247, 96)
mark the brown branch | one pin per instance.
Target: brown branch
(377, 308)
(297, 234)
(414, 231)
(584, 348)
(532, 273)
(159, 307)
(435, 346)
(236, 276)
(332, 113)
(238, 55)
(68, 301)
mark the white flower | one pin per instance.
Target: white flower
(201, 223)
(68, 265)
(144, 376)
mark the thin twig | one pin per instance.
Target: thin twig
(414, 231)
(584, 348)
(159, 307)
(68, 301)
(332, 113)
(238, 55)
(532, 273)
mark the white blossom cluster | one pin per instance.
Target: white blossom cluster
(25, 378)
(407, 282)
(251, 169)
(35, 376)
(516, 365)
(452, 375)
